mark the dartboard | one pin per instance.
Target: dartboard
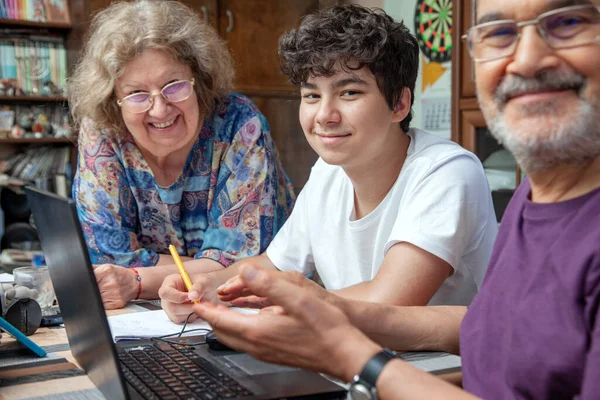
(433, 23)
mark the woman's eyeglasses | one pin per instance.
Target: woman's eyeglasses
(173, 92)
(561, 28)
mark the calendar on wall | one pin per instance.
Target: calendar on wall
(436, 114)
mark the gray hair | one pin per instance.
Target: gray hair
(121, 32)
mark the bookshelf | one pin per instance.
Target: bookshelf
(43, 140)
(20, 23)
(61, 24)
(33, 99)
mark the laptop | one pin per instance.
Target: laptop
(146, 368)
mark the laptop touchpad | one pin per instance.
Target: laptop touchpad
(252, 366)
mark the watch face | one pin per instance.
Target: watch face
(359, 392)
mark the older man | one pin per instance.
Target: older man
(533, 331)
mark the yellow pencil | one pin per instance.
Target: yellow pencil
(181, 268)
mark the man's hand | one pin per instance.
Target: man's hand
(236, 292)
(177, 302)
(118, 285)
(309, 333)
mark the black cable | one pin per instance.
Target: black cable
(178, 335)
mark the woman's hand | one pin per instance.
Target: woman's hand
(118, 285)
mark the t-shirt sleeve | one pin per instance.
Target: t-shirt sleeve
(445, 211)
(591, 377)
(291, 250)
(105, 204)
(252, 199)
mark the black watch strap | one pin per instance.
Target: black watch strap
(372, 369)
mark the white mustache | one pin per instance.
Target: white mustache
(514, 85)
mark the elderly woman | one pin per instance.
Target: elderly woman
(167, 154)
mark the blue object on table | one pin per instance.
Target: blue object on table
(38, 260)
(14, 332)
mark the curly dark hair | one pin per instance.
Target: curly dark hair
(356, 37)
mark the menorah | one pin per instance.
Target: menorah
(34, 67)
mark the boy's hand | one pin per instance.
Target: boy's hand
(177, 302)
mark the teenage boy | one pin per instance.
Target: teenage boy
(390, 213)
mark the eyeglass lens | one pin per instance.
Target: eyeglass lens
(560, 29)
(571, 27)
(173, 92)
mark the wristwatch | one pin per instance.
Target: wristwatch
(362, 386)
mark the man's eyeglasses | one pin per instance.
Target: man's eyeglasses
(173, 92)
(561, 28)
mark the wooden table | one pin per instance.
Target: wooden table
(78, 386)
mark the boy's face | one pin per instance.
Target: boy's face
(346, 119)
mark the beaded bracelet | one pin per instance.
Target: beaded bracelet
(138, 278)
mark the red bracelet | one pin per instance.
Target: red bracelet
(138, 278)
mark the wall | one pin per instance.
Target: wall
(432, 105)
(433, 100)
(367, 3)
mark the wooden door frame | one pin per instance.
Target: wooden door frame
(471, 120)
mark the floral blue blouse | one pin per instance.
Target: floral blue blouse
(230, 200)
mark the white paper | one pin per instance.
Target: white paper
(156, 323)
(6, 278)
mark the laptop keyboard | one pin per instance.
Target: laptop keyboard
(176, 372)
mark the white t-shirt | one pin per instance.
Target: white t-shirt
(440, 202)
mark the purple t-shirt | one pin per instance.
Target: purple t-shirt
(532, 331)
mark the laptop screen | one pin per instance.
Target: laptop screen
(76, 290)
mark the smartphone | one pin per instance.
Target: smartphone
(14, 332)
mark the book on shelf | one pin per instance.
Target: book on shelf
(57, 11)
(36, 10)
(48, 167)
(8, 68)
